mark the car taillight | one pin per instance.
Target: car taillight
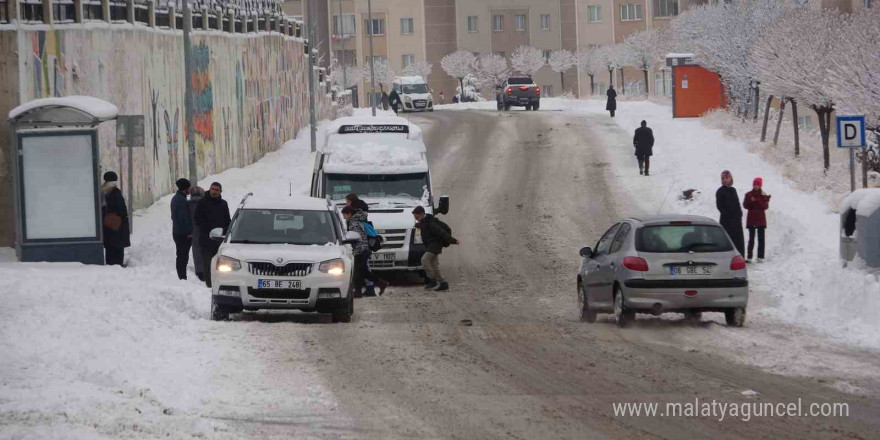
(637, 264)
(538, 90)
(509, 90)
(523, 87)
(737, 263)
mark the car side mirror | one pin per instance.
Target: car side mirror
(217, 234)
(351, 237)
(444, 206)
(586, 252)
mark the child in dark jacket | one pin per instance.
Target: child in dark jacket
(756, 202)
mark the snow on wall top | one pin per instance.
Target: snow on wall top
(410, 80)
(866, 202)
(96, 107)
(374, 158)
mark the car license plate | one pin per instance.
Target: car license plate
(524, 100)
(690, 270)
(420, 105)
(279, 284)
(382, 257)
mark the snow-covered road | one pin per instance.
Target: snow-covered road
(93, 352)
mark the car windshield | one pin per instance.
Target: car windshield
(513, 81)
(376, 185)
(682, 238)
(414, 88)
(281, 226)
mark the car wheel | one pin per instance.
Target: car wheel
(528, 108)
(622, 314)
(535, 107)
(499, 106)
(693, 316)
(219, 312)
(586, 314)
(343, 314)
(735, 317)
(506, 107)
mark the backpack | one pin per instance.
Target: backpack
(374, 240)
(446, 228)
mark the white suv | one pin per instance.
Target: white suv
(288, 254)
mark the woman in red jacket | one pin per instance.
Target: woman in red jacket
(756, 202)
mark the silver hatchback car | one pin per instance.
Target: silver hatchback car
(659, 264)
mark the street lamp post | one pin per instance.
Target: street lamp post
(372, 59)
(188, 99)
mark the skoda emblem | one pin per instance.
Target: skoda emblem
(279, 260)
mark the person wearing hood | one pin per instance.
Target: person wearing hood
(436, 235)
(114, 214)
(354, 220)
(212, 212)
(181, 226)
(394, 100)
(756, 202)
(727, 202)
(357, 204)
(196, 194)
(611, 105)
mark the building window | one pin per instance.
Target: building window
(595, 13)
(408, 60)
(378, 58)
(866, 3)
(665, 8)
(545, 22)
(406, 26)
(378, 27)
(498, 23)
(472, 23)
(805, 123)
(630, 12)
(547, 54)
(343, 25)
(520, 23)
(548, 90)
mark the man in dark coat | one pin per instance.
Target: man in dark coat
(435, 236)
(394, 100)
(644, 143)
(612, 100)
(181, 226)
(212, 212)
(114, 215)
(727, 202)
(195, 196)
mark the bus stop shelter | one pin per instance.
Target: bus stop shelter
(56, 178)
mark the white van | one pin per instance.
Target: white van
(382, 160)
(414, 94)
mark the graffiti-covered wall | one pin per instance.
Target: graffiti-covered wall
(250, 94)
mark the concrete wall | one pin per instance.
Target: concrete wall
(251, 96)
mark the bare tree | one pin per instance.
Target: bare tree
(527, 60)
(419, 68)
(492, 70)
(458, 65)
(644, 50)
(560, 62)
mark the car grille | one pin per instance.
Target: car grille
(279, 293)
(394, 238)
(420, 103)
(287, 270)
(381, 264)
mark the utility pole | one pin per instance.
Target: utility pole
(188, 99)
(372, 58)
(312, 33)
(342, 41)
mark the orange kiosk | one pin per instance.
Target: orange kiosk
(695, 90)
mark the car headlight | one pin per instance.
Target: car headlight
(227, 264)
(407, 98)
(333, 267)
(417, 236)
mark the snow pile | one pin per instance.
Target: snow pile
(98, 108)
(865, 201)
(366, 157)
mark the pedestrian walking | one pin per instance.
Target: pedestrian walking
(181, 226)
(196, 194)
(357, 204)
(384, 100)
(644, 143)
(727, 202)
(394, 100)
(756, 202)
(355, 219)
(436, 235)
(211, 212)
(611, 105)
(114, 215)
(442, 98)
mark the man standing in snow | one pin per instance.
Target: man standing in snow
(644, 143)
(114, 217)
(727, 202)
(212, 212)
(394, 100)
(611, 105)
(181, 226)
(436, 235)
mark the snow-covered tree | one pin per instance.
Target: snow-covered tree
(854, 72)
(345, 78)
(492, 70)
(458, 65)
(603, 59)
(384, 74)
(419, 68)
(643, 50)
(793, 58)
(471, 90)
(560, 62)
(527, 60)
(586, 63)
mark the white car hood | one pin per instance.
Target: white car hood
(287, 252)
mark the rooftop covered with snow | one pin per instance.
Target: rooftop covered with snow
(410, 80)
(375, 158)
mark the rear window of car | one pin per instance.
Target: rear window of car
(519, 81)
(682, 238)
